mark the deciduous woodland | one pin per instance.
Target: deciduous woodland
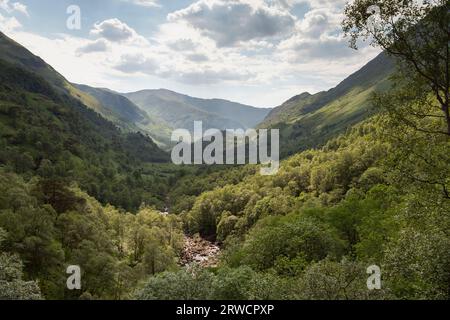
(364, 180)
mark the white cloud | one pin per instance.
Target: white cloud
(19, 7)
(197, 57)
(318, 36)
(136, 63)
(11, 7)
(229, 22)
(9, 24)
(100, 45)
(314, 4)
(115, 30)
(213, 48)
(319, 21)
(60, 52)
(145, 3)
(206, 76)
(298, 49)
(182, 44)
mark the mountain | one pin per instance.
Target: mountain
(128, 115)
(153, 112)
(124, 108)
(111, 105)
(180, 111)
(46, 131)
(307, 121)
(14, 53)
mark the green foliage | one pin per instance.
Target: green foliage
(377, 194)
(418, 264)
(225, 284)
(114, 249)
(197, 180)
(417, 33)
(325, 174)
(292, 237)
(314, 228)
(329, 280)
(420, 149)
(12, 285)
(86, 148)
(185, 284)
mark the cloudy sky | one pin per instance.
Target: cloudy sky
(258, 52)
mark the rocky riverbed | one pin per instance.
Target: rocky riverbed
(200, 251)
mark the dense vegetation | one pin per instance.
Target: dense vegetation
(378, 195)
(309, 121)
(76, 190)
(313, 229)
(116, 249)
(54, 136)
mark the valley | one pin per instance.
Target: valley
(362, 180)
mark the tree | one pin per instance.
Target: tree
(329, 280)
(417, 264)
(233, 283)
(12, 285)
(185, 284)
(416, 32)
(293, 236)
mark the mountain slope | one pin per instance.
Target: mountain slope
(110, 105)
(180, 111)
(124, 108)
(14, 53)
(128, 115)
(48, 133)
(307, 120)
(246, 115)
(21, 89)
(157, 113)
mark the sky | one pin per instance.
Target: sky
(256, 52)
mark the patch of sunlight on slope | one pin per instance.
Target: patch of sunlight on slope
(88, 101)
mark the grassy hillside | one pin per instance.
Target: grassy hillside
(117, 103)
(309, 120)
(180, 111)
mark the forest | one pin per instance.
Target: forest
(373, 191)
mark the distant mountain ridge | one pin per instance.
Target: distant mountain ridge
(117, 103)
(152, 112)
(180, 111)
(13, 52)
(305, 121)
(129, 115)
(14, 55)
